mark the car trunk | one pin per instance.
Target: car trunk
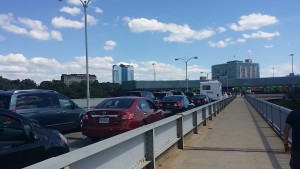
(106, 117)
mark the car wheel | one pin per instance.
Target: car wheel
(79, 128)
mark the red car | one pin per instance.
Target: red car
(120, 114)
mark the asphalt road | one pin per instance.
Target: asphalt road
(77, 140)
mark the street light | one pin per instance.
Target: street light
(154, 74)
(292, 63)
(207, 73)
(85, 5)
(186, 61)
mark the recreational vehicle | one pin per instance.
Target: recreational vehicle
(213, 89)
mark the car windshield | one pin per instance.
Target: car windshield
(200, 96)
(115, 104)
(4, 101)
(172, 98)
(133, 94)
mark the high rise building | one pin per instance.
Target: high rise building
(236, 70)
(121, 73)
(70, 78)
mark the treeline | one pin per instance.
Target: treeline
(76, 90)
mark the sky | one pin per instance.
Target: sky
(41, 40)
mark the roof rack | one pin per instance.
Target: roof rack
(34, 90)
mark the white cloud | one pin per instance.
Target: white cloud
(260, 34)
(268, 46)
(90, 20)
(98, 10)
(25, 26)
(75, 2)
(72, 11)
(109, 45)
(222, 29)
(253, 21)
(61, 22)
(225, 43)
(177, 33)
(279, 70)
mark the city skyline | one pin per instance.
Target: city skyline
(41, 40)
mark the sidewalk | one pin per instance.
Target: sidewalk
(238, 138)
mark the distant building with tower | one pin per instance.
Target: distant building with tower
(121, 73)
(236, 70)
(70, 78)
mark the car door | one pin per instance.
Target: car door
(70, 113)
(144, 107)
(51, 115)
(16, 151)
(158, 114)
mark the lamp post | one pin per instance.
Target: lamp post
(154, 74)
(85, 5)
(207, 73)
(186, 61)
(292, 63)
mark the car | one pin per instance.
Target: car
(160, 95)
(200, 99)
(24, 142)
(146, 94)
(47, 107)
(175, 104)
(189, 95)
(117, 115)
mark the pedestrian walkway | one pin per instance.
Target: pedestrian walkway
(237, 138)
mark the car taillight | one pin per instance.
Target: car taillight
(14, 110)
(179, 104)
(159, 104)
(85, 117)
(128, 116)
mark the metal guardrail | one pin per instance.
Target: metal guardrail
(275, 115)
(138, 148)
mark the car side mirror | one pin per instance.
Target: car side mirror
(29, 133)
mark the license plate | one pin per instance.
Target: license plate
(167, 111)
(103, 120)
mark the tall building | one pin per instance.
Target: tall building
(122, 73)
(236, 70)
(70, 78)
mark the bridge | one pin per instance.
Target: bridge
(232, 133)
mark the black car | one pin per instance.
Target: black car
(146, 94)
(175, 104)
(200, 99)
(47, 107)
(24, 142)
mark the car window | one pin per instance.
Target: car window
(143, 105)
(65, 102)
(48, 101)
(116, 103)
(11, 129)
(151, 105)
(4, 101)
(27, 101)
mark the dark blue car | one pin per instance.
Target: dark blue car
(24, 142)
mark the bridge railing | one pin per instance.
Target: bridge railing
(274, 114)
(138, 148)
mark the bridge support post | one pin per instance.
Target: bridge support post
(180, 133)
(204, 116)
(210, 112)
(150, 154)
(195, 125)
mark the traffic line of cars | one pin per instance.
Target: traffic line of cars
(31, 121)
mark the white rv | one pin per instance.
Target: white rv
(213, 89)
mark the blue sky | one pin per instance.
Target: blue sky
(41, 40)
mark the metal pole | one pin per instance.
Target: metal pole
(292, 63)
(85, 5)
(153, 76)
(187, 86)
